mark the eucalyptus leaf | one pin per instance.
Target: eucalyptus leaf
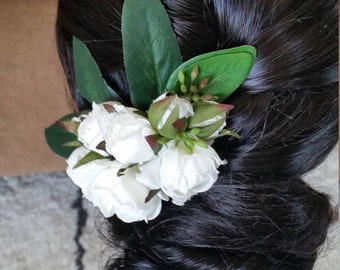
(89, 80)
(151, 51)
(56, 138)
(226, 70)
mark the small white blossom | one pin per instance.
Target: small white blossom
(89, 131)
(122, 130)
(124, 135)
(181, 175)
(113, 194)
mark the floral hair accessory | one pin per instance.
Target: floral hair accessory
(127, 160)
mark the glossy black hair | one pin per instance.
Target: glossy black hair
(260, 214)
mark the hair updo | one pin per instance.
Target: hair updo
(259, 214)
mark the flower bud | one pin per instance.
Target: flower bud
(169, 115)
(194, 73)
(209, 118)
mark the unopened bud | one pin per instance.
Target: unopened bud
(204, 83)
(194, 73)
(193, 89)
(209, 118)
(181, 77)
(169, 115)
(196, 98)
(184, 89)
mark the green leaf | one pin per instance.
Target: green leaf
(152, 140)
(226, 70)
(209, 130)
(89, 80)
(88, 158)
(151, 51)
(69, 126)
(56, 137)
(228, 132)
(202, 144)
(75, 143)
(163, 140)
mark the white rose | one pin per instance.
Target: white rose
(113, 194)
(181, 175)
(82, 176)
(125, 137)
(89, 131)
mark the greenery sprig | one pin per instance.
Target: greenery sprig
(154, 66)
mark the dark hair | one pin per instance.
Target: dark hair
(259, 214)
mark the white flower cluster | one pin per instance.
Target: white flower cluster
(131, 178)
